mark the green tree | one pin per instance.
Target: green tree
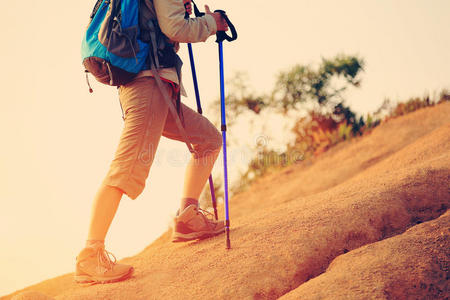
(299, 85)
(304, 84)
(240, 98)
(318, 90)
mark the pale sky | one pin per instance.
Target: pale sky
(57, 140)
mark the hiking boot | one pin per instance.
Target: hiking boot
(94, 265)
(195, 223)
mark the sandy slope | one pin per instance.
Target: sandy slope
(290, 226)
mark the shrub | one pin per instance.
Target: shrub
(416, 103)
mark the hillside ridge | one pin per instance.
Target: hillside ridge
(296, 230)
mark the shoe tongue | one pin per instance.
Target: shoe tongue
(191, 207)
(187, 213)
(88, 252)
(94, 243)
(93, 250)
(96, 246)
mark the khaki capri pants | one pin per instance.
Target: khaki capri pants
(146, 118)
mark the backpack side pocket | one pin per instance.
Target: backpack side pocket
(123, 41)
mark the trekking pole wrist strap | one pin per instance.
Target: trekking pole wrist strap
(197, 12)
(222, 35)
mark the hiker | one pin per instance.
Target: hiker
(147, 117)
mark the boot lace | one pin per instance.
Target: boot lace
(104, 261)
(207, 216)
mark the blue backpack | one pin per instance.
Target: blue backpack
(111, 49)
(124, 38)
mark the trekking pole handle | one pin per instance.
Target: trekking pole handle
(221, 35)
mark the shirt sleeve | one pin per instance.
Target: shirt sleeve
(170, 14)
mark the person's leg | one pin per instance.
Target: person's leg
(93, 262)
(192, 222)
(206, 141)
(104, 208)
(145, 117)
(197, 172)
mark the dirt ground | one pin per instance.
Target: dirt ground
(365, 220)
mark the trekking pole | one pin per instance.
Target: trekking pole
(222, 36)
(197, 97)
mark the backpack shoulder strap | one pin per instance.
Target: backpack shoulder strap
(96, 7)
(146, 12)
(107, 25)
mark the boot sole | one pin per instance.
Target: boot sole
(180, 237)
(81, 279)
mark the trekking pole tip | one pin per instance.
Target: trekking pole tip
(228, 236)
